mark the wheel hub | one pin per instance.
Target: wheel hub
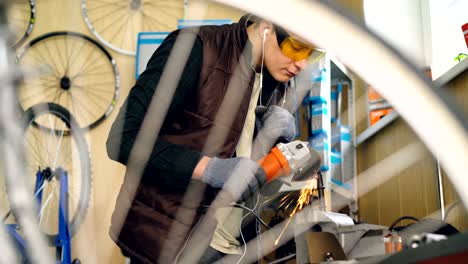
(65, 83)
(47, 174)
(135, 4)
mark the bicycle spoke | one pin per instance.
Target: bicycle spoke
(61, 161)
(35, 95)
(91, 69)
(20, 18)
(119, 31)
(149, 18)
(108, 14)
(90, 73)
(98, 92)
(44, 205)
(125, 32)
(53, 61)
(39, 189)
(93, 98)
(105, 5)
(76, 100)
(155, 5)
(53, 195)
(74, 60)
(36, 151)
(123, 3)
(42, 60)
(58, 93)
(46, 140)
(62, 59)
(88, 60)
(59, 144)
(112, 25)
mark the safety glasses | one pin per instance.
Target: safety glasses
(290, 47)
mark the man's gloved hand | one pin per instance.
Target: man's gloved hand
(241, 177)
(277, 123)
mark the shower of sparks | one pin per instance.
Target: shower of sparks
(304, 199)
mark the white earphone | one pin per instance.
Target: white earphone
(265, 31)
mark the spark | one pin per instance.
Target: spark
(304, 199)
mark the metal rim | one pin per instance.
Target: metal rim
(130, 20)
(110, 100)
(30, 26)
(79, 140)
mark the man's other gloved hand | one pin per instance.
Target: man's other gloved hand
(277, 123)
(241, 177)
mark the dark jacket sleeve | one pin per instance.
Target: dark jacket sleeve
(168, 163)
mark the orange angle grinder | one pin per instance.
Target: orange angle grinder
(294, 158)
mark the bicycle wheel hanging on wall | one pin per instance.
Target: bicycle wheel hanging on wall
(75, 72)
(21, 17)
(117, 23)
(50, 151)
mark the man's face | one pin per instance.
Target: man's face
(280, 66)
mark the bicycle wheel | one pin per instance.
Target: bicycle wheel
(50, 150)
(75, 72)
(117, 23)
(21, 18)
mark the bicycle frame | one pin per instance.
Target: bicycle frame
(63, 241)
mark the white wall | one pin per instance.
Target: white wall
(447, 17)
(400, 23)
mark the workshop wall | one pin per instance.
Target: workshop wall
(458, 216)
(414, 190)
(92, 244)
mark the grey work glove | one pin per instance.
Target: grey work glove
(276, 123)
(241, 177)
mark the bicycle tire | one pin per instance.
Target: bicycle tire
(30, 120)
(127, 18)
(21, 19)
(80, 75)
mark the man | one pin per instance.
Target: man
(204, 143)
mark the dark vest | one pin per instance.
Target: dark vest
(155, 224)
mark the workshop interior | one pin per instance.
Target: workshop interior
(375, 173)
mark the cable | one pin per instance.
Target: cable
(261, 68)
(243, 240)
(283, 259)
(450, 208)
(245, 208)
(186, 241)
(398, 220)
(240, 230)
(258, 229)
(252, 212)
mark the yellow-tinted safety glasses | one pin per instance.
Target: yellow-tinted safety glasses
(290, 47)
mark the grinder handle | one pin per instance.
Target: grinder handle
(274, 164)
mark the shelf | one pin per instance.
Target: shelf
(339, 71)
(348, 194)
(379, 106)
(451, 74)
(454, 72)
(371, 131)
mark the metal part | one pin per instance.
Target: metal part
(423, 239)
(303, 160)
(440, 187)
